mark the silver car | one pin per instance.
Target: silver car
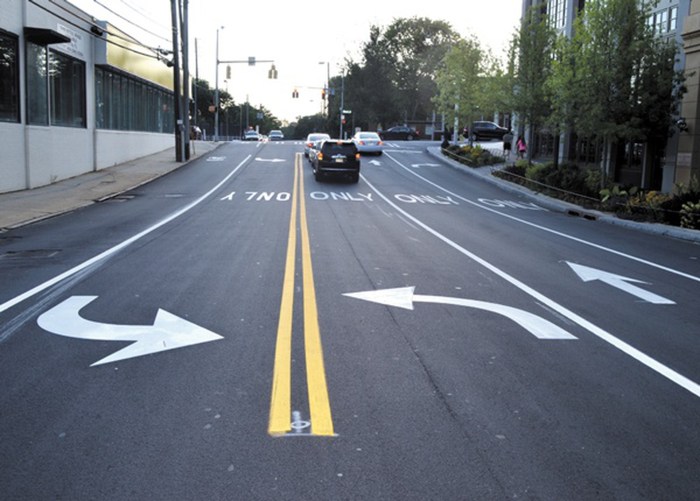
(368, 142)
(311, 139)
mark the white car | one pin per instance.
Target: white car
(251, 135)
(311, 139)
(275, 135)
(368, 142)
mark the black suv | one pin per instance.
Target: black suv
(336, 157)
(488, 130)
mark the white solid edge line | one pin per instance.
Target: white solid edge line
(66, 274)
(645, 359)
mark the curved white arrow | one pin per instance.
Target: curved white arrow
(588, 274)
(167, 332)
(404, 297)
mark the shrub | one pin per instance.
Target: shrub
(690, 215)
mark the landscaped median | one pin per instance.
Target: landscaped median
(582, 186)
(473, 156)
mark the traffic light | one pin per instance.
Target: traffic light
(228, 72)
(323, 93)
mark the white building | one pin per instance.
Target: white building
(76, 95)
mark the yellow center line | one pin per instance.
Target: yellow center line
(281, 401)
(319, 403)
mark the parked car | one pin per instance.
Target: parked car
(335, 156)
(368, 142)
(251, 135)
(275, 135)
(400, 132)
(488, 130)
(311, 138)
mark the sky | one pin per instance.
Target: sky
(306, 40)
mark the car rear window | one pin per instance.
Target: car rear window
(332, 148)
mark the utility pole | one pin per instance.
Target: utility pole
(176, 75)
(185, 80)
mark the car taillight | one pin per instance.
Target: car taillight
(362, 143)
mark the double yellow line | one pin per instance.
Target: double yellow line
(321, 421)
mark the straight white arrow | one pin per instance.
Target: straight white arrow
(167, 332)
(272, 160)
(588, 274)
(404, 297)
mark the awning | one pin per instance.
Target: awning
(44, 36)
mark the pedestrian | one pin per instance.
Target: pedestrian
(521, 145)
(507, 142)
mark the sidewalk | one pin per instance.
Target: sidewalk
(28, 206)
(556, 205)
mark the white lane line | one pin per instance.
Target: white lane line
(42, 287)
(638, 355)
(549, 230)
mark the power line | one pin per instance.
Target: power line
(93, 25)
(131, 22)
(146, 15)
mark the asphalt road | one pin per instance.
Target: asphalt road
(237, 330)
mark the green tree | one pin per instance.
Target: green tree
(535, 46)
(460, 82)
(395, 79)
(614, 81)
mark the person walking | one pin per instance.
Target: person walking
(507, 142)
(521, 145)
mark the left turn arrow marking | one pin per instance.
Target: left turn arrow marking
(404, 297)
(167, 332)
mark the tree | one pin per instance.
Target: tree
(460, 82)
(614, 82)
(535, 46)
(395, 79)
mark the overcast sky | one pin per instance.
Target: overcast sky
(297, 35)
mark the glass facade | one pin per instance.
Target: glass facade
(67, 90)
(9, 78)
(556, 13)
(37, 85)
(55, 88)
(126, 103)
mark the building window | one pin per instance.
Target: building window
(55, 88)
(673, 19)
(37, 85)
(9, 78)
(127, 103)
(67, 84)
